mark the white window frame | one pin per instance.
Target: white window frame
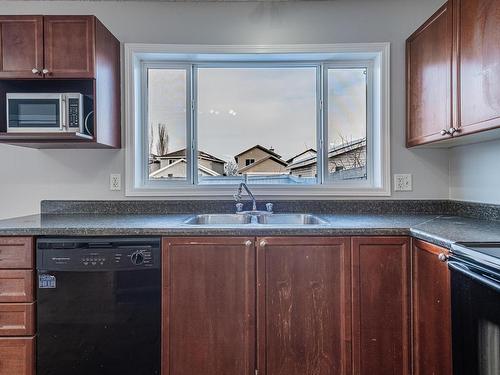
(374, 56)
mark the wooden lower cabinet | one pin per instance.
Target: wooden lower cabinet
(16, 252)
(17, 356)
(17, 319)
(381, 305)
(303, 306)
(208, 306)
(16, 285)
(17, 306)
(431, 310)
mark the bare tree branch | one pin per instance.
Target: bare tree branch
(231, 168)
(162, 145)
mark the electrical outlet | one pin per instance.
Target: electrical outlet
(402, 182)
(115, 182)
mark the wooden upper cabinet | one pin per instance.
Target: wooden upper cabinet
(21, 46)
(69, 46)
(208, 306)
(431, 311)
(303, 287)
(381, 303)
(453, 74)
(478, 55)
(429, 79)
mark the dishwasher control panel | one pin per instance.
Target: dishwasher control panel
(98, 255)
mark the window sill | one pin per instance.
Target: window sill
(275, 192)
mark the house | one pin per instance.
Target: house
(260, 160)
(178, 169)
(302, 156)
(207, 165)
(344, 157)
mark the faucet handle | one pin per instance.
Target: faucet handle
(239, 207)
(269, 207)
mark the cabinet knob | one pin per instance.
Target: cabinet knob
(263, 243)
(45, 71)
(248, 243)
(35, 71)
(445, 132)
(453, 130)
(443, 257)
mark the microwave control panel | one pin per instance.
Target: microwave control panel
(74, 112)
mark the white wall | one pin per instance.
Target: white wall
(28, 176)
(475, 172)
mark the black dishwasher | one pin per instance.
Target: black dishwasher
(98, 306)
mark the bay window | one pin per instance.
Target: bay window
(290, 124)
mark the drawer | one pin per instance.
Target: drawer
(17, 319)
(16, 252)
(16, 286)
(17, 356)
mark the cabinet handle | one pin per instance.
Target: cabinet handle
(443, 257)
(45, 71)
(453, 130)
(445, 132)
(35, 71)
(248, 243)
(263, 243)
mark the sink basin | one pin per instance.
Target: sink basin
(264, 219)
(290, 219)
(219, 219)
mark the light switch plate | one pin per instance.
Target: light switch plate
(115, 182)
(402, 182)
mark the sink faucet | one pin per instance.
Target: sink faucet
(239, 205)
(237, 196)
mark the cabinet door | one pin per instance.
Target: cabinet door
(478, 54)
(380, 289)
(17, 356)
(69, 46)
(303, 306)
(16, 286)
(429, 79)
(209, 306)
(21, 46)
(431, 311)
(16, 252)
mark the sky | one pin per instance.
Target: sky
(241, 107)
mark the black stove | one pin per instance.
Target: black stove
(475, 283)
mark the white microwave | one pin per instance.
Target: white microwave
(44, 112)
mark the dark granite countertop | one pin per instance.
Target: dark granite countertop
(438, 229)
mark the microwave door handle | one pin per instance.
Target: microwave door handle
(63, 114)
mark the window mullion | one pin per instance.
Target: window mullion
(193, 124)
(322, 164)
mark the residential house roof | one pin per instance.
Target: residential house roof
(267, 150)
(335, 151)
(202, 168)
(308, 151)
(272, 157)
(179, 154)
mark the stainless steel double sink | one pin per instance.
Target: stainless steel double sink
(265, 219)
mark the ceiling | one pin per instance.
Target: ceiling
(217, 1)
